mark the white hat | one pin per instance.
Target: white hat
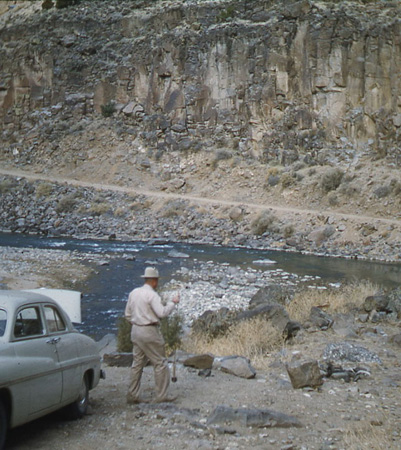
(150, 272)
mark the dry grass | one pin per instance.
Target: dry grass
(98, 209)
(253, 338)
(374, 434)
(263, 222)
(44, 190)
(332, 300)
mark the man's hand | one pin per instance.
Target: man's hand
(176, 299)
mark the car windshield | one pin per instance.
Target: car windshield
(3, 321)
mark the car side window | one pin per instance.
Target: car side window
(28, 322)
(3, 321)
(54, 321)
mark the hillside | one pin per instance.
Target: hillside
(292, 105)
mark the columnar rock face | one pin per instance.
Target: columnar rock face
(258, 77)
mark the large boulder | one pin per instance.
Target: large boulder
(394, 303)
(214, 323)
(377, 302)
(304, 373)
(274, 293)
(274, 313)
(258, 418)
(238, 366)
(204, 361)
(318, 319)
(321, 234)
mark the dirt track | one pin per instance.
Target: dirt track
(195, 199)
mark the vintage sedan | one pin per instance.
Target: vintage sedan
(45, 363)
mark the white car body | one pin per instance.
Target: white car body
(45, 364)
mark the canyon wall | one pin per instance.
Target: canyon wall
(264, 79)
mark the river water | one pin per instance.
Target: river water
(105, 294)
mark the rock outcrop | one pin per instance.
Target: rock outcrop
(273, 80)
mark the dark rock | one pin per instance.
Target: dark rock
(291, 330)
(238, 366)
(321, 234)
(376, 302)
(274, 293)
(318, 319)
(118, 359)
(304, 373)
(204, 361)
(205, 373)
(345, 351)
(258, 418)
(214, 323)
(394, 304)
(274, 313)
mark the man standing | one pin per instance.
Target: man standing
(144, 310)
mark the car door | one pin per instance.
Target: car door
(38, 385)
(65, 343)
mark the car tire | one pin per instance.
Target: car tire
(79, 408)
(3, 424)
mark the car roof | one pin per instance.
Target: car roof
(12, 300)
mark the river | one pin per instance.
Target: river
(105, 294)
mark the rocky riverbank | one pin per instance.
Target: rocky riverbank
(44, 206)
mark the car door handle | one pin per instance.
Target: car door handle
(53, 340)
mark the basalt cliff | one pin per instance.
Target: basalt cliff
(294, 103)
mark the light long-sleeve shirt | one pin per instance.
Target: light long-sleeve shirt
(144, 306)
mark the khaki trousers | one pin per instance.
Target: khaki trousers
(148, 344)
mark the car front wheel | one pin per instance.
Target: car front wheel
(3, 424)
(79, 408)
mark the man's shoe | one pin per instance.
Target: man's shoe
(168, 399)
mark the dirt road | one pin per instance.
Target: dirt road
(195, 199)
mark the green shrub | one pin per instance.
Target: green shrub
(331, 179)
(263, 223)
(124, 343)
(226, 14)
(47, 4)
(108, 109)
(170, 327)
(60, 4)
